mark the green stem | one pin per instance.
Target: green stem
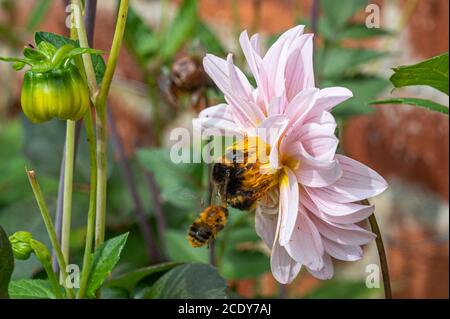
(90, 232)
(87, 59)
(101, 123)
(67, 198)
(51, 276)
(50, 228)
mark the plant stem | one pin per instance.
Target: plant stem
(314, 15)
(60, 198)
(84, 43)
(90, 231)
(67, 197)
(283, 291)
(256, 20)
(87, 41)
(101, 123)
(382, 255)
(51, 276)
(236, 27)
(49, 226)
(147, 233)
(157, 207)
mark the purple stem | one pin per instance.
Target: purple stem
(157, 206)
(314, 15)
(152, 249)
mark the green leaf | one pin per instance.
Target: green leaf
(59, 40)
(104, 259)
(338, 13)
(340, 61)
(38, 13)
(179, 250)
(7, 59)
(180, 29)
(417, 102)
(33, 54)
(191, 281)
(54, 39)
(6, 263)
(18, 65)
(432, 72)
(139, 37)
(30, 289)
(180, 184)
(129, 280)
(47, 48)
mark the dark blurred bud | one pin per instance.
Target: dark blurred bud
(187, 73)
(20, 243)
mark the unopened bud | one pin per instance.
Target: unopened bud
(187, 73)
(20, 243)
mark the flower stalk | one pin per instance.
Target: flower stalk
(67, 196)
(382, 255)
(43, 254)
(101, 123)
(50, 228)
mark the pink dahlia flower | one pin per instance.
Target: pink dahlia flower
(312, 214)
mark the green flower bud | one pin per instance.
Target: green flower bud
(54, 86)
(60, 93)
(20, 243)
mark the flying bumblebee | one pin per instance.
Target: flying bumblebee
(207, 225)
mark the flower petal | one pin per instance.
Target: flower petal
(344, 213)
(217, 69)
(274, 62)
(332, 96)
(218, 120)
(299, 107)
(265, 225)
(326, 272)
(313, 172)
(318, 141)
(345, 234)
(342, 252)
(305, 245)
(253, 59)
(288, 205)
(357, 182)
(284, 268)
(299, 67)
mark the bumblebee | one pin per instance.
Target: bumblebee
(207, 225)
(239, 176)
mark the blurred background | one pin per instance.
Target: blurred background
(160, 85)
